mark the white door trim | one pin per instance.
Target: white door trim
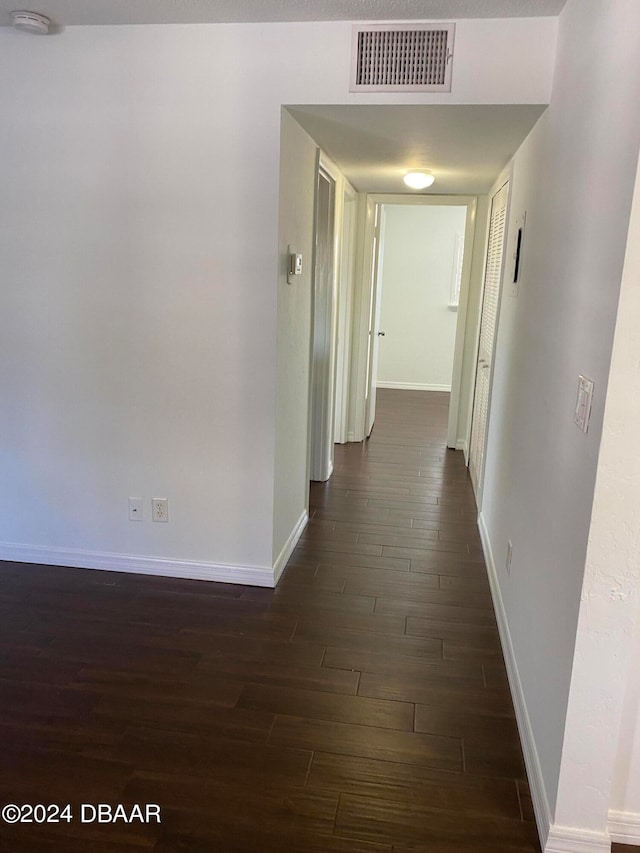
(323, 339)
(346, 254)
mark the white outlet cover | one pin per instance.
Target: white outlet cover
(160, 509)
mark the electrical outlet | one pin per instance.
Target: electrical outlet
(507, 562)
(135, 509)
(160, 509)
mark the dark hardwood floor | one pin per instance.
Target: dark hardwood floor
(362, 707)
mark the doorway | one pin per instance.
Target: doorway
(367, 346)
(419, 293)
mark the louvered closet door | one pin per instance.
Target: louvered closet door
(490, 302)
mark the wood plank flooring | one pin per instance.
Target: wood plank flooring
(362, 707)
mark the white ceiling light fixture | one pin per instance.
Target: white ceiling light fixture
(418, 180)
(31, 22)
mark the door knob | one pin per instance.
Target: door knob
(381, 334)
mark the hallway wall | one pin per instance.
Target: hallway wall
(625, 793)
(298, 158)
(574, 178)
(602, 786)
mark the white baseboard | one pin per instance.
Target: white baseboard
(566, 839)
(462, 445)
(531, 759)
(351, 436)
(188, 569)
(413, 386)
(624, 827)
(289, 545)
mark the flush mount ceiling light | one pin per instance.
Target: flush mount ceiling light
(418, 180)
(31, 22)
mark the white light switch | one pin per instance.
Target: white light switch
(583, 403)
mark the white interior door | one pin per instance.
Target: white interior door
(323, 350)
(374, 320)
(488, 324)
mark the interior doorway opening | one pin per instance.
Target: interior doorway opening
(367, 350)
(418, 282)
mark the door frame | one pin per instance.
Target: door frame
(323, 318)
(363, 295)
(346, 256)
(377, 262)
(324, 383)
(505, 178)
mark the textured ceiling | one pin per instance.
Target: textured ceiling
(465, 147)
(69, 12)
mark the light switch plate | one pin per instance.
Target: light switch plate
(583, 403)
(135, 509)
(294, 267)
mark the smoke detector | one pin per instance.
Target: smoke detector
(31, 22)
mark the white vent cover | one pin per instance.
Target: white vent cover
(402, 58)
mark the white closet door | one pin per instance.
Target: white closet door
(488, 323)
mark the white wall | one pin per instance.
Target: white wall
(415, 313)
(139, 240)
(134, 273)
(603, 717)
(574, 178)
(298, 164)
(624, 813)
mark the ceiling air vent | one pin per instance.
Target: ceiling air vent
(402, 58)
